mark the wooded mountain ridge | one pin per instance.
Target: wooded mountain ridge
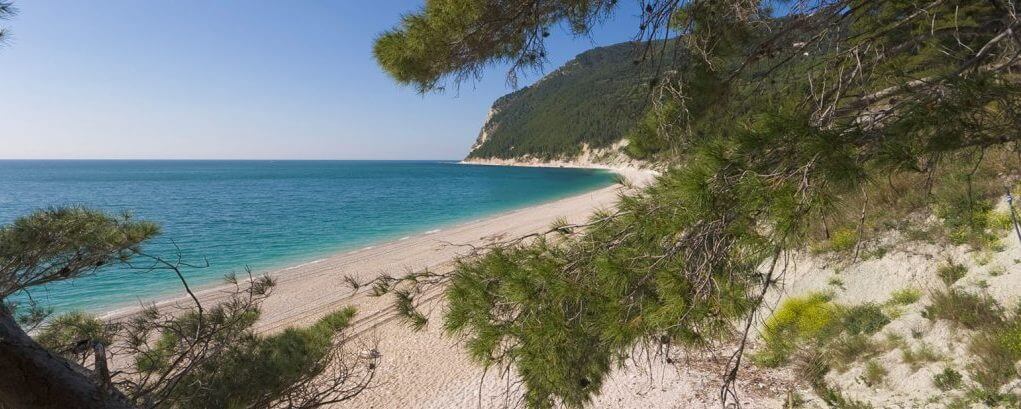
(594, 99)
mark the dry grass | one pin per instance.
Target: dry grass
(968, 310)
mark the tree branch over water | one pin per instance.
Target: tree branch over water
(179, 355)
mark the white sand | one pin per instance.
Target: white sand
(907, 265)
(308, 291)
(428, 370)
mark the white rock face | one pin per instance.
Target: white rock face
(610, 157)
(487, 129)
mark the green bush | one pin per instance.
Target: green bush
(812, 322)
(951, 272)
(864, 319)
(798, 320)
(906, 296)
(842, 240)
(262, 365)
(1010, 337)
(947, 380)
(1001, 221)
(966, 214)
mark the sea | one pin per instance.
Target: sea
(226, 216)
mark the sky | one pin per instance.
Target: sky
(192, 79)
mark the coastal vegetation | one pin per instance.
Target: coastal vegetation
(595, 99)
(7, 11)
(792, 125)
(191, 355)
(837, 128)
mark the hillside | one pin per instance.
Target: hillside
(594, 99)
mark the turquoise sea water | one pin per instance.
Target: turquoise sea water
(266, 214)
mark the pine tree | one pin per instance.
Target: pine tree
(767, 130)
(191, 357)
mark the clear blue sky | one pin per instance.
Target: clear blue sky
(233, 80)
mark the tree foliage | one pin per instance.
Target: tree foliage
(459, 38)
(7, 10)
(769, 126)
(65, 243)
(191, 356)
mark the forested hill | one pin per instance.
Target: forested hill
(594, 99)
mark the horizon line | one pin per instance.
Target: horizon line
(231, 159)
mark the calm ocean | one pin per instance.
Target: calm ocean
(266, 214)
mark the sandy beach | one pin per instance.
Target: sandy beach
(425, 369)
(307, 291)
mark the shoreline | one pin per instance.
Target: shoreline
(215, 291)
(427, 368)
(635, 174)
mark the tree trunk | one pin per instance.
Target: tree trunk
(33, 377)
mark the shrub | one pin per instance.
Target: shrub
(1010, 336)
(874, 373)
(813, 322)
(951, 272)
(971, 311)
(967, 219)
(996, 352)
(906, 296)
(845, 350)
(993, 398)
(236, 379)
(947, 380)
(864, 319)
(842, 240)
(797, 320)
(1000, 221)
